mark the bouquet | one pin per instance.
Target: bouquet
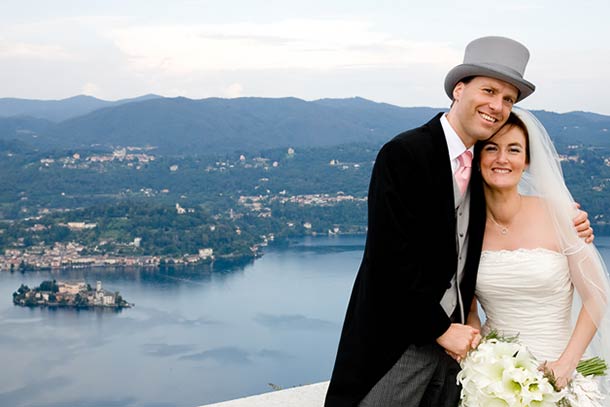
(502, 372)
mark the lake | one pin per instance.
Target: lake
(195, 336)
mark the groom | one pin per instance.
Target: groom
(426, 220)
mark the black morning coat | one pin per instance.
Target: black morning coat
(409, 259)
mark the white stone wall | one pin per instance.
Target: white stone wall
(305, 396)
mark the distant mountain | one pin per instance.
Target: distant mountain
(576, 127)
(59, 110)
(27, 130)
(186, 126)
(181, 125)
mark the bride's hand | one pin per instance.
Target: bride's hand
(562, 372)
(475, 341)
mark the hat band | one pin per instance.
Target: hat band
(501, 69)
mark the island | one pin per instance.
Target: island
(68, 294)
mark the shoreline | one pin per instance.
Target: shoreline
(23, 263)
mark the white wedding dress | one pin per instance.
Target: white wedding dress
(527, 292)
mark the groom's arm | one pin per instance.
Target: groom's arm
(403, 283)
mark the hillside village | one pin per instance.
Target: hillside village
(193, 210)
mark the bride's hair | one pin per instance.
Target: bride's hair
(513, 121)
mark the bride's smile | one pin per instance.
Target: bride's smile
(504, 158)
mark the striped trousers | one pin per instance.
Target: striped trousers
(424, 376)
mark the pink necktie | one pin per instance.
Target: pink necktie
(462, 174)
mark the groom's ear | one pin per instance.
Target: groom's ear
(457, 91)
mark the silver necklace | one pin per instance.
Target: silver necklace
(504, 229)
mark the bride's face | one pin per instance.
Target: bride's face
(503, 158)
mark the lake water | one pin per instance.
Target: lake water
(195, 336)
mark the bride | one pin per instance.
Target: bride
(536, 278)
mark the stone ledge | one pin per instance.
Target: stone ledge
(304, 396)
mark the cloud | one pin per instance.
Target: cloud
(33, 389)
(72, 39)
(293, 322)
(289, 44)
(163, 349)
(223, 355)
(92, 402)
(27, 50)
(274, 354)
(234, 90)
(91, 89)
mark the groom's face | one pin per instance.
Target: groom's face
(481, 107)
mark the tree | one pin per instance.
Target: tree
(80, 301)
(30, 300)
(118, 300)
(50, 286)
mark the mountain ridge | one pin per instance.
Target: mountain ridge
(197, 126)
(57, 110)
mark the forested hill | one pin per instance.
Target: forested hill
(179, 126)
(59, 110)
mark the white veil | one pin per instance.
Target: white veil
(588, 272)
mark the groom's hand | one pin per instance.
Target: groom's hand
(583, 225)
(458, 340)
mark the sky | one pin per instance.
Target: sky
(396, 52)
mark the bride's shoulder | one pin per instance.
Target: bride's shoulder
(535, 207)
(537, 224)
(533, 203)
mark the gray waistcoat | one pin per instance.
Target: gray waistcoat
(452, 298)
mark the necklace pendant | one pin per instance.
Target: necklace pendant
(504, 231)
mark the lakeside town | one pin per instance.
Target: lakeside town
(136, 234)
(70, 255)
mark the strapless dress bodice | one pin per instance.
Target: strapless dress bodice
(527, 292)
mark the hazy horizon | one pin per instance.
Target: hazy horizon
(384, 51)
(279, 97)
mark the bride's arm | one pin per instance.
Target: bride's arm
(564, 367)
(589, 277)
(474, 321)
(473, 315)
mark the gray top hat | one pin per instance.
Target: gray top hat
(494, 57)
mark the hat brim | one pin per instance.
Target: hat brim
(465, 70)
